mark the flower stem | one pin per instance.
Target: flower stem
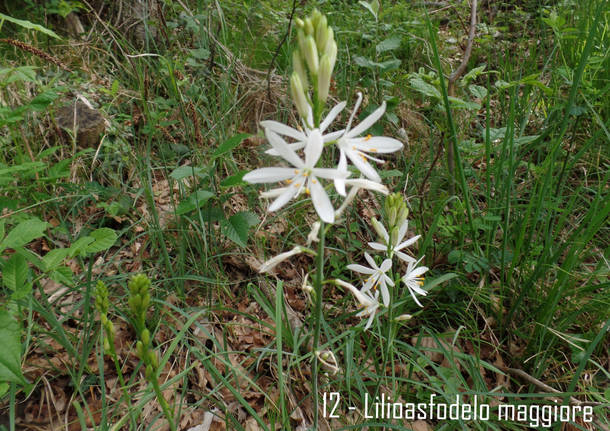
(318, 316)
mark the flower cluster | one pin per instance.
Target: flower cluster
(379, 278)
(313, 63)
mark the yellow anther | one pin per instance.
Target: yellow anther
(288, 181)
(307, 190)
(297, 184)
(305, 174)
(314, 180)
(368, 137)
(373, 150)
(296, 171)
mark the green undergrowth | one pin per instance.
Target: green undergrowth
(518, 218)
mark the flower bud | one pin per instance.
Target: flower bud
(145, 337)
(299, 22)
(308, 27)
(298, 95)
(140, 350)
(322, 35)
(301, 41)
(150, 372)
(299, 68)
(316, 17)
(311, 55)
(378, 227)
(331, 51)
(152, 359)
(392, 215)
(106, 344)
(394, 235)
(326, 70)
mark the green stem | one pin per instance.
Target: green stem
(318, 315)
(164, 405)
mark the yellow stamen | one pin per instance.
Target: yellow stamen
(314, 181)
(305, 174)
(373, 150)
(297, 184)
(296, 171)
(307, 190)
(288, 181)
(368, 137)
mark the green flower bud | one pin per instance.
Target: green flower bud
(135, 303)
(378, 227)
(392, 213)
(145, 301)
(311, 55)
(110, 328)
(394, 235)
(299, 22)
(299, 68)
(104, 320)
(301, 41)
(145, 337)
(152, 359)
(298, 95)
(106, 344)
(140, 351)
(308, 27)
(316, 17)
(331, 51)
(150, 372)
(326, 70)
(322, 34)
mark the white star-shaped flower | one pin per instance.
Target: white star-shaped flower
(414, 280)
(377, 276)
(302, 135)
(302, 177)
(368, 302)
(398, 246)
(358, 149)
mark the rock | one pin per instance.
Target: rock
(79, 119)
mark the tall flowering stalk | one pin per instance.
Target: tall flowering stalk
(301, 172)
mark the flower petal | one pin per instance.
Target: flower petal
(362, 183)
(415, 298)
(278, 144)
(283, 199)
(294, 147)
(283, 129)
(360, 268)
(364, 166)
(367, 122)
(333, 136)
(313, 149)
(370, 260)
(378, 246)
(404, 257)
(321, 202)
(268, 175)
(407, 243)
(385, 295)
(379, 144)
(331, 116)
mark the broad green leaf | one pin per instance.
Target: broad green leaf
(104, 238)
(389, 44)
(458, 103)
(29, 167)
(369, 64)
(15, 272)
(230, 143)
(372, 7)
(234, 180)
(423, 87)
(194, 201)
(472, 74)
(23, 233)
(10, 354)
(54, 258)
(42, 100)
(182, 172)
(80, 245)
(236, 227)
(62, 275)
(477, 91)
(29, 25)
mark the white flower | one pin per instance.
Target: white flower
(414, 280)
(274, 261)
(377, 276)
(302, 177)
(357, 184)
(397, 246)
(357, 148)
(302, 136)
(368, 302)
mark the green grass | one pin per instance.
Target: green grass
(525, 231)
